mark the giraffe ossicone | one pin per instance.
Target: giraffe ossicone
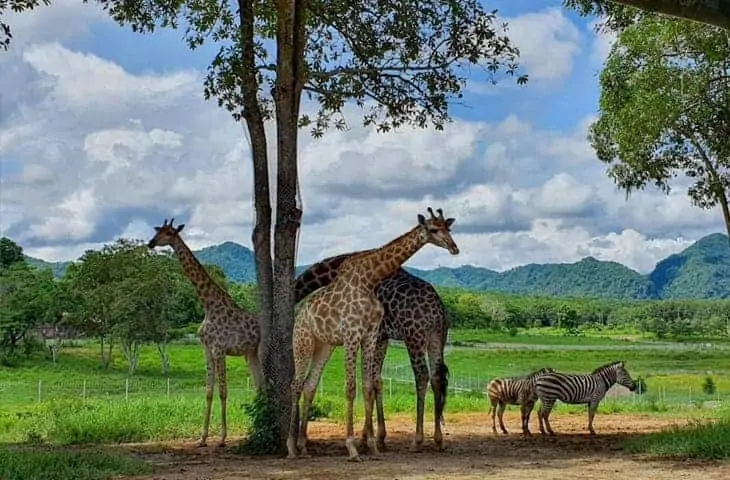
(347, 312)
(227, 329)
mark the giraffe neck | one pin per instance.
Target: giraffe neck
(385, 261)
(205, 286)
(320, 274)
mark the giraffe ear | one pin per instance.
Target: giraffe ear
(180, 227)
(450, 221)
(421, 219)
(157, 229)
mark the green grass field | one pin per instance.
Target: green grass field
(75, 402)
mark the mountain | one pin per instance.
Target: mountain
(700, 271)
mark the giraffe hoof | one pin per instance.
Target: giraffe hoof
(202, 444)
(356, 458)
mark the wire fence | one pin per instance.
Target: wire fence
(398, 381)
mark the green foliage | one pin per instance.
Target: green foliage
(263, 432)
(27, 300)
(663, 109)
(640, 385)
(700, 439)
(708, 386)
(17, 463)
(10, 252)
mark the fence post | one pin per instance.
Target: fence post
(168, 387)
(126, 389)
(390, 388)
(248, 384)
(40, 390)
(83, 392)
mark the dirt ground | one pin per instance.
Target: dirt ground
(472, 452)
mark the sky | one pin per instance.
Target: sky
(104, 133)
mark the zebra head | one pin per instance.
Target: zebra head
(616, 373)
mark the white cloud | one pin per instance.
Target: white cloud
(132, 149)
(548, 41)
(603, 40)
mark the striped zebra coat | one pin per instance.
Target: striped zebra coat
(514, 391)
(579, 389)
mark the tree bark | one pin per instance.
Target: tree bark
(287, 95)
(261, 236)
(713, 12)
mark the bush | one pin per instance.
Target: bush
(708, 386)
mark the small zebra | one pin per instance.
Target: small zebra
(514, 391)
(579, 389)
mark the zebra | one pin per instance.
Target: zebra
(579, 389)
(514, 391)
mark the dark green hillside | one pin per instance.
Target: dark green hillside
(237, 261)
(586, 278)
(700, 271)
(58, 268)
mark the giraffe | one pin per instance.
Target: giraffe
(414, 314)
(347, 313)
(227, 329)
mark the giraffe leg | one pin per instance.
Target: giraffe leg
(255, 369)
(209, 385)
(380, 352)
(321, 355)
(369, 362)
(439, 384)
(220, 368)
(417, 355)
(350, 391)
(303, 346)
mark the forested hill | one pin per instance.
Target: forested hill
(700, 271)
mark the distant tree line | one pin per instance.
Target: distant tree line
(126, 295)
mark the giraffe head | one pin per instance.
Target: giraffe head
(437, 230)
(166, 234)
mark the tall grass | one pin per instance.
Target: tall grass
(25, 464)
(700, 439)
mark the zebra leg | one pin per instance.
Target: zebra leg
(545, 409)
(502, 406)
(525, 411)
(592, 407)
(493, 412)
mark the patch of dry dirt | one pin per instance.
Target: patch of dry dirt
(472, 452)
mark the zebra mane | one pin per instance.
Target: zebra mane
(539, 372)
(607, 366)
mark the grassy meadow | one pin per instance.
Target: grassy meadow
(76, 402)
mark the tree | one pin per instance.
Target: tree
(621, 13)
(665, 109)
(10, 252)
(26, 297)
(400, 62)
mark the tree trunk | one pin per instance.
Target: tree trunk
(713, 12)
(289, 81)
(722, 198)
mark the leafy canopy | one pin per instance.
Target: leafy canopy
(665, 108)
(401, 62)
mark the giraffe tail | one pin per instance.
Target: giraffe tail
(442, 373)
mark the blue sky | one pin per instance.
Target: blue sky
(108, 134)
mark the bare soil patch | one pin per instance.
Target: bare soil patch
(472, 452)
